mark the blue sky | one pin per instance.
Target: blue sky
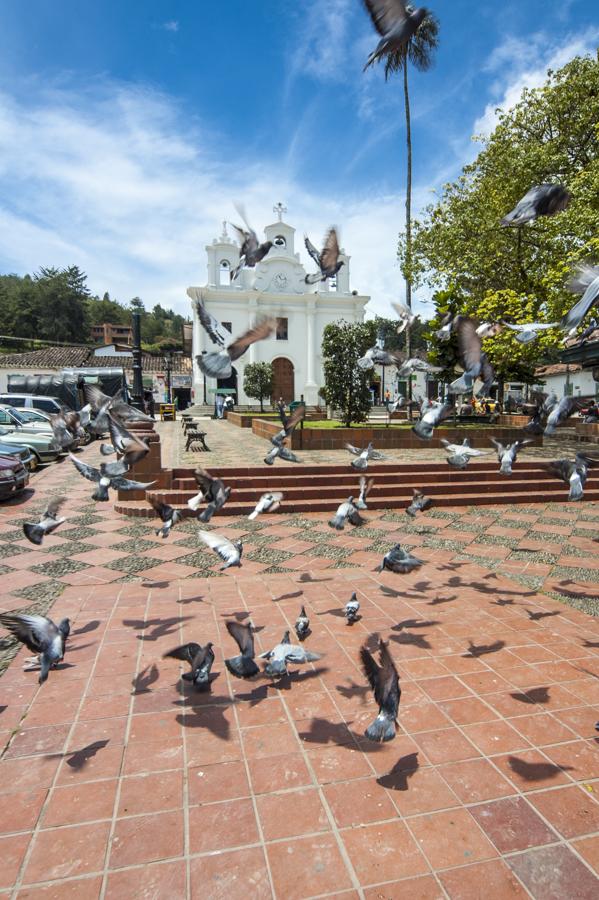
(128, 129)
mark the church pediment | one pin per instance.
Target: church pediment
(280, 275)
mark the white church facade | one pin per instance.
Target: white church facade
(275, 287)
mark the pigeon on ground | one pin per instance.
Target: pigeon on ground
(346, 511)
(351, 609)
(507, 455)
(585, 282)
(473, 360)
(285, 653)
(109, 475)
(573, 472)
(419, 503)
(365, 488)
(405, 315)
(127, 444)
(251, 250)
(399, 560)
(199, 658)
(213, 490)
(41, 636)
(396, 22)
(327, 260)
(364, 455)
(267, 503)
(463, 449)
(530, 332)
(167, 514)
(458, 460)
(243, 665)
(229, 551)
(217, 333)
(218, 364)
(558, 414)
(48, 522)
(431, 415)
(302, 625)
(384, 681)
(541, 200)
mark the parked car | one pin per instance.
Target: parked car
(18, 451)
(13, 420)
(32, 401)
(13, 477)
(42, 445)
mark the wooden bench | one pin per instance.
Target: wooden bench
(195, 436)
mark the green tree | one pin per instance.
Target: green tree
(258, 381)
(419, 51)
(550, 135)
(62, 313)
(346, 386)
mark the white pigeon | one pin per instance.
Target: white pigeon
(267, 503)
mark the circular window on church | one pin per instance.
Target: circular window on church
(280, 241)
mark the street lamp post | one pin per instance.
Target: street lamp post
(138, 387)
(168, 364)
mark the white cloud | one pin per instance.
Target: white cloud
(523, 63)
(116, 181)
(173, 25)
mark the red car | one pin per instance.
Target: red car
(13, 476)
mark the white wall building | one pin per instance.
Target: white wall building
(275, 287)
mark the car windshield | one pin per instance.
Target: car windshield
(17, 414)
(29, 415)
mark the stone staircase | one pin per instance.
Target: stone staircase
(322, 488)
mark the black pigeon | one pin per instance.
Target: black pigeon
(251, 250)
(218, 364)
(384, 681)
(541, 200)
(109, 475)
(419, 503)
(41, 636)
(167, 514)
(243, 665)
(214, 492)
(302, 625)
(199, 658)
(399, 560)
(327, 260)
(351, 609)
(396, 22)
(48, 522)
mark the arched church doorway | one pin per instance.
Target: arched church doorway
(284, 379)
(229, 383)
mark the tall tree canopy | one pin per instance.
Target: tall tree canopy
(347, 387)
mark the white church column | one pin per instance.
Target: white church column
(197, 347)
(311, 388)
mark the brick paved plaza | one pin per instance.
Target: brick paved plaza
(118, 781)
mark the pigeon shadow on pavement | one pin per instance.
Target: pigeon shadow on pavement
(162, 627)
(476, 650)
(397, 779)
(148, 676)
(215, 722)
(536, 771)
(534, 695)
(91, 626)
(291, 596)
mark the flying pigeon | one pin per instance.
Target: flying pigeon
(213, 490)
(64, 436)
(284, 653)
(167, 514)
(365, 488)
(302, 625)
(327, 260)
(251, 250)
(109, 475)
(229, 552)
(289, 425)
(282, 453)
(573, 472)
(530, 332)
(351, 609)
(591, 327)
(541, 200)
(101, 404)
(396, 23)
(419, 503)
(131, 448)
(199, 658)
(217, 333)
(346, 511)
(107, 449)
(447, 326)
(375, 356)
(489, 329)
(243, 665)
(405, 315)
(41, 636)
(48, 522)
(364, 455)
(463, 449)
(535, 425)
(399, 560)
(507, 455)
(474, 361)
(585, 282)
(218, 364)
(431, 415)
(384, 681)
(195, 502)
(558, 414)
(267, 503)
(415, 364)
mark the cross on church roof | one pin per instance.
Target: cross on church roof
(279, 209)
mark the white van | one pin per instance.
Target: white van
(32, 401)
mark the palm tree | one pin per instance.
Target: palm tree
(419, 51)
